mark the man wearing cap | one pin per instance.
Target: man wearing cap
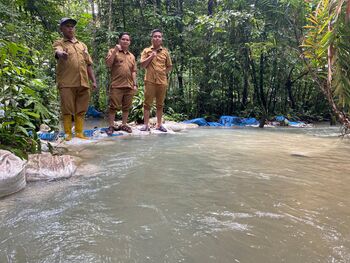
(157, 62)
(73, 72)
(123, 81)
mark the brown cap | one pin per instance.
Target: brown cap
(66, 20)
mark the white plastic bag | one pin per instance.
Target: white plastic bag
(49, 167)
(12, 173)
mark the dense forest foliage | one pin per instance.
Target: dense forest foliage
(246, 57)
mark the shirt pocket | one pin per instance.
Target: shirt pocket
(83, 53)
(118, 62)
(161, 59)
(130, 65)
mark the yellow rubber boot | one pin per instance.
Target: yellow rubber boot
(79, 124)
(67, 125)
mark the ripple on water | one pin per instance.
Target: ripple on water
(219, 195)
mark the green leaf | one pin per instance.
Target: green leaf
(23, 130)
(33, 114)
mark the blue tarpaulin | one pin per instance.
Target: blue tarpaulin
(48, 136)
(227, 121)
(230, 120)
(297, 124)
(214, 124)
(93, 112)
(249, 121)
(95, 132)
(198, 121)
(280, 118)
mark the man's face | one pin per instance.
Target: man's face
(68, 30)
(124, 41)
(157, 39)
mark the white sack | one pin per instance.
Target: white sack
(49, 167)
(12, 173)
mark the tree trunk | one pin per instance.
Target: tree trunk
(256, 97)
(96, 96)
(123, 15)
(180, 62)
(141, 9)
(245, 81)
(110, 11)
(342, 117)
(259, 89)
(210, 7)
(261, 83)
(168, 4)
(158, 7)
(230, 94)
(262, 121)
(288, 86)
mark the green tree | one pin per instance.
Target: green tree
(27, 88)
(326, 50)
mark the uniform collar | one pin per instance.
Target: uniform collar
(74, 40)
(160, 48)
(125, 52)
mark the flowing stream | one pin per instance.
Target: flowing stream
(205, 195)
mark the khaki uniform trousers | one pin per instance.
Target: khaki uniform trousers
(120, 99)
(157, 91)
(74, 100)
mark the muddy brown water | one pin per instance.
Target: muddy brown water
(205, 195)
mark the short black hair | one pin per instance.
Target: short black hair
(155, 31)
(122, 34)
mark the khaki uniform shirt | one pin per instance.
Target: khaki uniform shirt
(156, 70)
(123, 66)
(73, 71)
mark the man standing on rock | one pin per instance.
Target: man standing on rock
(73, 72)
(157, 62)
(123, 81)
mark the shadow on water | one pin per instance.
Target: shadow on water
(206, 195)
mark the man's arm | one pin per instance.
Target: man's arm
(168, 69)
(146, 61)
(111, 56)
(60, 52)
(134, 78)
(168, 63)
(91, 75)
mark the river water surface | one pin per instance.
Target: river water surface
(205, 195)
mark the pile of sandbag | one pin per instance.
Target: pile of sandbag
(12, 173)
(15, 172)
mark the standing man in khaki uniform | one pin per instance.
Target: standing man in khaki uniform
(157, 62)
(73, 72)
(123, 81)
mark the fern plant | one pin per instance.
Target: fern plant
(326, 52)
(23, 96)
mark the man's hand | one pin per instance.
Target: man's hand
(62, 54)
(148, 59)
(154, 53)
(118, 47)
(94, 86)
